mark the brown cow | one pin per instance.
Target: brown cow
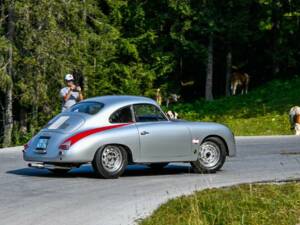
(239, 79)
(172, 98)
(294, 116)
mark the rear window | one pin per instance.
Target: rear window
(122, 115)
(90, 108)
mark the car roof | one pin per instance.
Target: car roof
(121, 100)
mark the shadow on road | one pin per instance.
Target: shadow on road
(86, 171)
(141, 170)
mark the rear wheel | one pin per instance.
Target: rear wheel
(59, 171)
(157, 166)
(211, 156)
(110, 161)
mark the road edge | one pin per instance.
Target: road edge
(11, 149)
(19, 148)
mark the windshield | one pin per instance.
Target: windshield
(90, 108)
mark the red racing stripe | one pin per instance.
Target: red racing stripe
(86, 133)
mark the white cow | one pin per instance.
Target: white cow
(172, 115)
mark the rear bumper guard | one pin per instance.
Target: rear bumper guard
(47, 166)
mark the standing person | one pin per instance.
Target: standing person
(71, 94)
(158, 96)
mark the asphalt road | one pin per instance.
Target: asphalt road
(33, 196)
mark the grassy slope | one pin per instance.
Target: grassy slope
(246, 204)
(264, 111)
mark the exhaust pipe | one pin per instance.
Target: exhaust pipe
(36, 165)
(47, 166)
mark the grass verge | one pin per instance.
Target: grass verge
(264, 111)
(268, 204)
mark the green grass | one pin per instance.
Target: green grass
(268, 204)
(263, 111)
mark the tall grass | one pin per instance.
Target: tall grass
(264, 111)
(270, 204)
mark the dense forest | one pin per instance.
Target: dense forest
(187, 47)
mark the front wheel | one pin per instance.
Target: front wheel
(110, 161)
(211, 156)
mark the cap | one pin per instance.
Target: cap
(69, 77)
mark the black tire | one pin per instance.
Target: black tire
(101, 163)
(215, 150)
(157, 166)
(59, 171)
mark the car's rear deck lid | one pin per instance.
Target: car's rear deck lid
(65, 123)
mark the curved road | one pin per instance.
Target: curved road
(33, 196)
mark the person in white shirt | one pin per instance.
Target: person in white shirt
(71, 94)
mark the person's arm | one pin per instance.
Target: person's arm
(67, 96)
(69, 93)
(80, 96)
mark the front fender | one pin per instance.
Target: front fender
(200, 131)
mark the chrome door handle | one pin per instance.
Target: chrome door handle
(144, 132)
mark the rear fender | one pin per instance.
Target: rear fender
(127, 136)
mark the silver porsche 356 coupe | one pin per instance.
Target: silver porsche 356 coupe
(111, 132)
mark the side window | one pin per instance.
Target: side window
(122, 115)
(147, 113)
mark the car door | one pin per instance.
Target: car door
(161, 139)
(129, 136)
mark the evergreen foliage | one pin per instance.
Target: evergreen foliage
(134, 47)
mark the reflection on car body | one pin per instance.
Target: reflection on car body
(111, 132)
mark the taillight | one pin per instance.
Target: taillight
(26, 146)
(65, 145)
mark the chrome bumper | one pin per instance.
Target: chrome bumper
(47, 166)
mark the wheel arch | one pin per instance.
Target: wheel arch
(221, 138)
(128, 151)
(125, 147)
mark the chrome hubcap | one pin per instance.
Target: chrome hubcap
(209, 154)
(111, 158)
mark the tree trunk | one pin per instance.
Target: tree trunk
(85, 78)
(8, 115)
(8, 118)
(2, 10)
(228, 71)
(275, 32)
(209, 70)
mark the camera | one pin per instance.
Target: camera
(77, 89)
